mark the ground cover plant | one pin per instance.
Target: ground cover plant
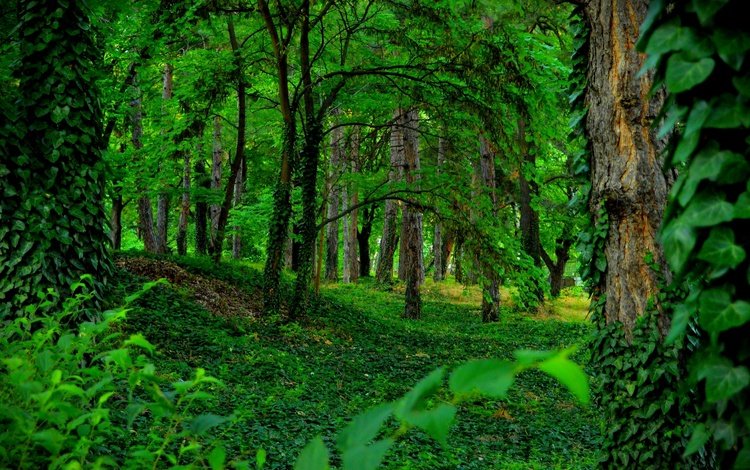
(298, 380)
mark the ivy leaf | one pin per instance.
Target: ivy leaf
(698, 116)
(683, 74)
(670, 37)
(732, 316)
(706, 210)
(680, 320)
(569, 374)
(698, 439)
(490, 377)
(363, 427)
(685, 147)
(731, 46)
(712, 302)
(727, 112)
(720, 250)
(204, 422)
(313, 457)
(706, 9)
(365, 457)
(742, 84)
(416, 398)
(723, 381)
(742, 206)
(679, 240)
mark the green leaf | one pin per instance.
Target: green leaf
(727, 112)
(490, 377)
(683, 74)
(416, 398)
(679, 240)
(743, 458)
(569, 374)
(140, 341)
(706, 9)
(742, 206)
(364, 427)
(365, 457)
(680, 319)
(720, 250)
(724, 381)
(204, 422)
(313, 457)
(685, 147)
(731, 316)
(670, 37)
(50, 439)
(731, 46)
(742, 84)
(260, 459)
(217, 457)
(706, 210)
(59, 114)
(698, 116)
(698, 439)
(436, 422)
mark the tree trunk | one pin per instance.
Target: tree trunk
(351, 261)
(115, 230)
(458, 255)
(411, 226)
(162, 201)
(239, 185)
(437, 239)
(145, 211)
(289, 249)
(490, 281)
(217, 155)
(626, 171)
(184, 208)
(529, 220)
(384, 272)
(363, 240)
(201, 208)
(332, 229)
(557, 267)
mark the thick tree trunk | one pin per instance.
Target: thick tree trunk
(529, 220)
(384, 272)
(334, 192)
(184, 207)
(412, 258)
(217, 156)
(201, 209)
(626, 171)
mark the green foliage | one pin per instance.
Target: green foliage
(73, 397)
(706, 224)
(52, 223)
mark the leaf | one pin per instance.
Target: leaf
(733, 315)
(670, 37)
(683, 74)
(260, 459)
(204, 422)
(50, 439)
(706, 210)
(217, 457)
(706, 9)
(679, 240)
(364, 427)
(724, 381)
(140, 341)
(416, 398)
(489, 377)
(569, 374)
(313, 457)
(727, 112)
(697, 117)
(731, 46)
(742, 84)
(742, 206)
(685, 147)
(698, 439)
(436, 422)
(365, 457)
(680, 320)
(720, 250)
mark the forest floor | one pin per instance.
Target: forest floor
(289, 383)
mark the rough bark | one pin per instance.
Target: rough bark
(334, 193)
(162, 200)
(239, 185)
(490, 278)
(363, 241)
(217, 156)
(412, 258)
(351, 222)
(384, 272)
(557, 267)
(626, 170)
(184, 207)
(437, 239)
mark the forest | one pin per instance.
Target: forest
(361, 234)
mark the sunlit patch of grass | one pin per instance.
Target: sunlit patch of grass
(571, 306)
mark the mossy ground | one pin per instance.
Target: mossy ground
(288, 383)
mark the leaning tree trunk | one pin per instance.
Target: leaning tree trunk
(334, 191)
(412, 258)
(626, 171)
(384, 271)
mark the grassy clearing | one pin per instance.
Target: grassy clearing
(291, 382)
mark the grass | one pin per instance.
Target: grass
(289, 383)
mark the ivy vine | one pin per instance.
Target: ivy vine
(700, 49)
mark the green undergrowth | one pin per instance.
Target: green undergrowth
(289, 383)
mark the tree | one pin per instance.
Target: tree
(52, 219)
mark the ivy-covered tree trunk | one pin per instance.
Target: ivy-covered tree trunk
(332, 229)
(217, 155)
(412, 258)
(389, 240)
(51, 209)
(628, 182)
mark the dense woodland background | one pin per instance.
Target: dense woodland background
(354, 188)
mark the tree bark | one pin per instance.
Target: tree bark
(351, 222)
(626, 171)
(384, 272)
(334, 193)
(363, 240)
(557, 267)
(184, 207)
(201, 208)
(491, 280)
(239, 185)
(162, 200)
(412, 258)
(217, 156)
(437, 239)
